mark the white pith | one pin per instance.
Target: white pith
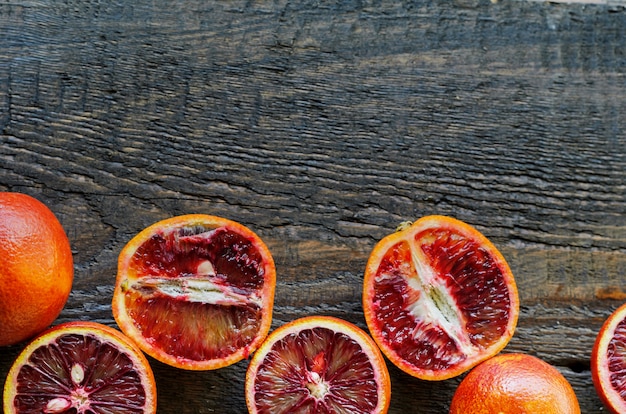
(199, 289)
(316, 385)
(446, 315)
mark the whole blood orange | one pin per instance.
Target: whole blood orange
(195, 291)
(514, 384)
(36, 267)
(82, 368)
(439, 298)
(608, 361)
(318, 365)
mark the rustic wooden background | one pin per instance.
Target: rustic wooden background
(321, 125)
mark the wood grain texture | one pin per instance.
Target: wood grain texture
(321, 126)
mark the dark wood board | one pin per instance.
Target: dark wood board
(321, 126)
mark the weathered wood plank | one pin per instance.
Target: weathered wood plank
(322, 126)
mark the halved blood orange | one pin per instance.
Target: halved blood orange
(318, 365)
(195, 291)
(439, 298)
(80, 367)
(608, 361)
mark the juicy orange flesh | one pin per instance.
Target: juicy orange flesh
(82, 372)
(170, 305)
(194, 331)
(465, 275)
(179, 253)
(616, 355)
(316, 371)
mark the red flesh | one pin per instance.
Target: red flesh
(235, 259)
(111, 384)
(167, 322)
(476, 285)
(616, 353)
(288, 374)
(176, 255)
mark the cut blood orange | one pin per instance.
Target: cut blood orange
(195, 291)
(608, 361)
(81, 368)
(318, 365)
(439, 298)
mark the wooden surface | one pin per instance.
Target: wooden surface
(321, 126)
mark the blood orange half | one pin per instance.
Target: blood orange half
(608, 362)
(318, 365)
(195, 291)
(81, 368)
(439, 298)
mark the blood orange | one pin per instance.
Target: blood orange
(195, 291)
(514, 384)
(318, 365)
(439, 298)
(36, 267)
(82, 368)
(608, 361)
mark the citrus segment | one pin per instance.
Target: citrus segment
(195, 291)
(318, 364)
(439, 298)
(36, 267)
(514, 384)
(80, 367)
(608, 361)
